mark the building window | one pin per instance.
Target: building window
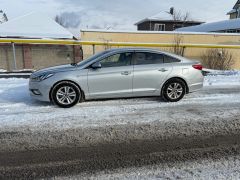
(159, 27)
(231, 31)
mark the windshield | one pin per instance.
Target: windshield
(86, 61)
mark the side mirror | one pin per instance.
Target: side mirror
(96, 65)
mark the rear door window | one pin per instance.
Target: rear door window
(142, 58)
(170, 59)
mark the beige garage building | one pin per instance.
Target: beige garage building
(207, 39)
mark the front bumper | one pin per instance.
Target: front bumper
(39, 90)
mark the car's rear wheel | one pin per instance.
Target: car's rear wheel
(66, 94)
(174, 90)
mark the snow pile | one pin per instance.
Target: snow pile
(212, 72)
(3, 70)
(222, 78)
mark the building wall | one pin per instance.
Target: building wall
(169, 26)
(145, 26)
(45, 56)
(38, 56)
(6, 57)
(144, 37)
(233, 16)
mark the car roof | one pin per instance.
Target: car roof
(116, 50)
(133, 49)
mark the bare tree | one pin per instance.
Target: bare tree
(179, 16)
(59, 20)
(218, 59)
(106, 43)
(3, 17)
(68, 19)
(177, 48)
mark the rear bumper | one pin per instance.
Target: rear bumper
(39, 91)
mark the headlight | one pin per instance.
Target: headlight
(42, 77)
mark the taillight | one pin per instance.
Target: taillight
(197, 66)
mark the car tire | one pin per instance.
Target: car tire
(66, 94)
(174, 90)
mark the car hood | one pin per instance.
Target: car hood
(56, 69)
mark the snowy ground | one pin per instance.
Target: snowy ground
(206, 119)
(18, 110)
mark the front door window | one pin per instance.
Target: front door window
(117, 60)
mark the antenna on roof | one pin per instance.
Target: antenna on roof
(171, 11)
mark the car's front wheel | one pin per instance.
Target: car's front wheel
(174, 90)
(66, 94)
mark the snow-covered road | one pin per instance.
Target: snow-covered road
(207, 118)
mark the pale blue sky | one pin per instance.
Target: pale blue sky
(117, 14)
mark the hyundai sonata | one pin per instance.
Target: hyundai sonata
(118, 73)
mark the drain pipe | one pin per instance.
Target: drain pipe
(14, 56)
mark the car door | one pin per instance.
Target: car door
(150, 72)
(113, 79)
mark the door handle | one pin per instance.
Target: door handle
(163, 70)
(126, 73)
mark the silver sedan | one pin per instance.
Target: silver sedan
(118, 73)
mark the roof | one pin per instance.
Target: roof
(213, 27)
(236, 5)
(164, 17)
(232, 11)
(34, 25)
(154, 32)
(160, 16)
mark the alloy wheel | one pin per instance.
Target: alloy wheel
(66, 95)
(174, 90)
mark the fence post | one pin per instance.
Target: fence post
(184, 48)
(14, 56)
(93, 48)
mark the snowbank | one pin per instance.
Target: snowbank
(3, 70)
(222, 78)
